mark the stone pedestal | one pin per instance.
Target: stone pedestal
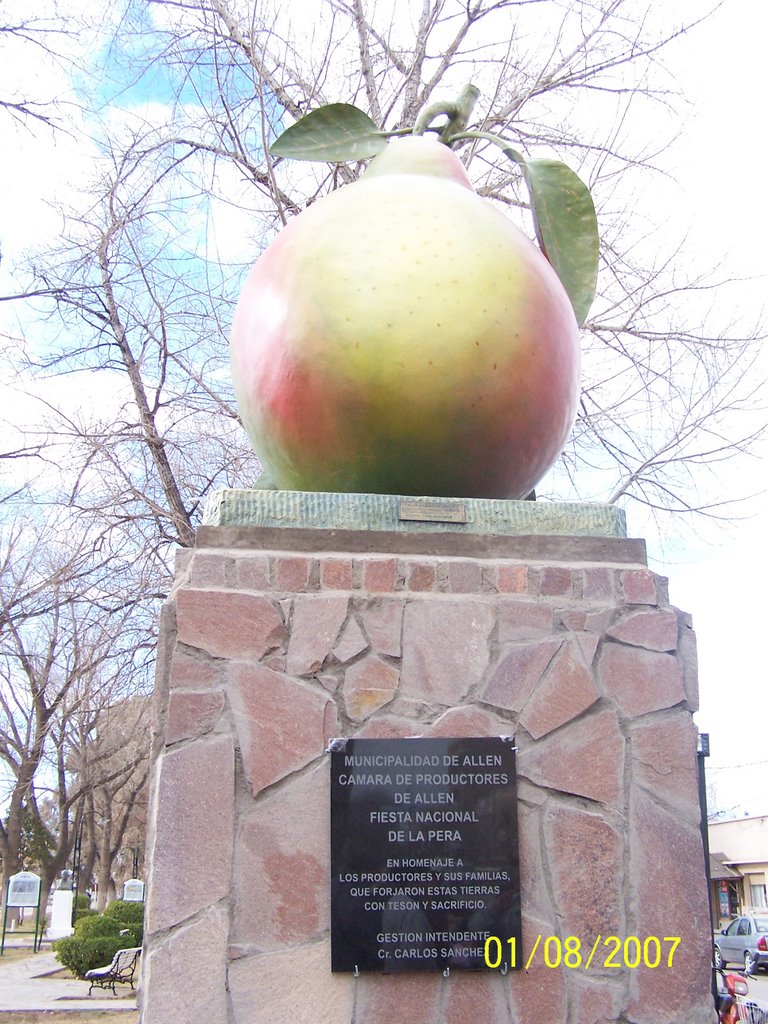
(61, 915)
(277, 638)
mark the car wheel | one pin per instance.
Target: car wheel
(749, 962)
(718, 958)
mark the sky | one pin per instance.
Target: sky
(721, 580)
(717, 573)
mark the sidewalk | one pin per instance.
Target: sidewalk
(31, 984)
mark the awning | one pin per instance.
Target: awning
(719, 871)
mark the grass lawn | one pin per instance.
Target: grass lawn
(25, 931)
(10, 954)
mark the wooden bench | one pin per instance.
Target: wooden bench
(119, 972)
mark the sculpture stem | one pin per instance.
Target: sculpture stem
(458, 113)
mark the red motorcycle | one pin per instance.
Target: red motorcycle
(732, 1008)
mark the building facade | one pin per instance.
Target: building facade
(740, 845)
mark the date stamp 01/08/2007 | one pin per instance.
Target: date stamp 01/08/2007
(606, 951)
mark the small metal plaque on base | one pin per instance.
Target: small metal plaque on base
(424, 855)
(425, 511)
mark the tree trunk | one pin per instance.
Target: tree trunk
(104, 872)
(11, 860)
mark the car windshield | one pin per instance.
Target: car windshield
(761, 924)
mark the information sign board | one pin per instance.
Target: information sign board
(23, 890)
(424, 854)
(133, 890)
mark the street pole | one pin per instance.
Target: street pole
(702, 752)
(76, 863)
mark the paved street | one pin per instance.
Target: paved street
(758, 989)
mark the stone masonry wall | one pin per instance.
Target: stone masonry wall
(267, 655)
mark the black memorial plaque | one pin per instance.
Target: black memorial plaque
(424, 854)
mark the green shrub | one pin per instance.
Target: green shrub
(125, 910)
(96, 927)
(129, 914)
(97, 937)
(82, 908)
(82, 955)
(84, 912)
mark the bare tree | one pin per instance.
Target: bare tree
(110, 759)
(668, 384)
(26, 35)
(134, 304)
(57, 658)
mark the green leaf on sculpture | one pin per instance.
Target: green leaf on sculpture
(336, 133)
(566, 227)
